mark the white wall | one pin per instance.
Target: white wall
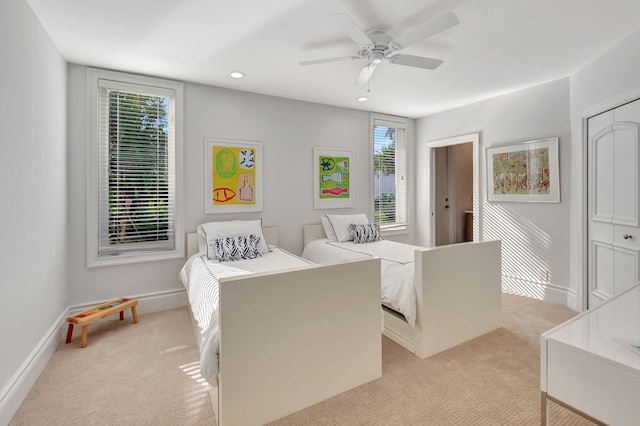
(612, 74)
(33, 219)
(535, 236)
(288, 131)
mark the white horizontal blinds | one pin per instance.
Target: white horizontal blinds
(137, 169)
(401, 176)
(390, 169)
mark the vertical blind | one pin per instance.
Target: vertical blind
(136, 169)
(390, 170)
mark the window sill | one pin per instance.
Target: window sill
(396, 230)
(126, 259)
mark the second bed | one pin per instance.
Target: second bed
(433, 298)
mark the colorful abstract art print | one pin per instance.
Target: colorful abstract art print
(525, 172)
(233, 176)
(333, 186)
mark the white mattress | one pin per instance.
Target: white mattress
(200, 278)
(397, 260)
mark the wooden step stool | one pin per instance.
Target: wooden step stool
(94, 314)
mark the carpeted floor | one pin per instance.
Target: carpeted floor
(147, 374)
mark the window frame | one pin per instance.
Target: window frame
(93, 150)
(393, 229)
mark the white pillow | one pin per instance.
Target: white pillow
(340, 224)
(328, 230)
(202, 240)
(214, 230)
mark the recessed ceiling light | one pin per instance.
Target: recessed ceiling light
(362, 99)
(237, 74)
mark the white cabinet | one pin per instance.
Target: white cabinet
(585, 367)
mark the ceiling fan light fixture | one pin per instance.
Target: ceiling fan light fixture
(363, 99)
(237, 74)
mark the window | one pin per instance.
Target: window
(389, 173)
(132, 172)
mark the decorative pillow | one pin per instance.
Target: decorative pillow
(365, 233)
(235, 248)
(328, 230)
(340, 224)
(213, 230)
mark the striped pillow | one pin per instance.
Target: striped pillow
(365, 233)
(237, 247)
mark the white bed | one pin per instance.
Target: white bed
(456, 288)
(289, 338)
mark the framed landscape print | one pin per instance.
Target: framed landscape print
(524, 172)
(332, 178)
(233, 176)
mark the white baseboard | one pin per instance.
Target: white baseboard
(18, 387)
(547, 292)
(148, 302)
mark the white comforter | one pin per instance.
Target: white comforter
(397, 260)
(200, 278)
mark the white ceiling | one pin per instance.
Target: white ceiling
(499, 46)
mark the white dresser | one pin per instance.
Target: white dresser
(586, 369)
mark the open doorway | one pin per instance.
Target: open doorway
(453, 209)
(452, 186)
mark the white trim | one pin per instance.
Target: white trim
(148, 302)
(92, 190)
(409, 124)
(548, 292)
(580, 241)
(19, 385)
(474, 138)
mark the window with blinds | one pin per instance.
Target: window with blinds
(390, 174)
(136, 170)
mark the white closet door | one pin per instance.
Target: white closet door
(614, 235)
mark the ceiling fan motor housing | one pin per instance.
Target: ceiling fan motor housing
(380, 47)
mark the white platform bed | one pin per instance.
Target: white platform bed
(291, 338)
(458, 295)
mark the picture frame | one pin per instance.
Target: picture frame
(332, 178)
(524, 172)
(233, 176)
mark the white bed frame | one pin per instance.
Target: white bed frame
(292, 338)
(458, 295)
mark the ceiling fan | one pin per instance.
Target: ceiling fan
(376, 45)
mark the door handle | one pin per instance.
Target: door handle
(627, 236)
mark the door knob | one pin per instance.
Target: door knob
(627, 236)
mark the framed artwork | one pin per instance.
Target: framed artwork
(233, 176)
(332, 178)
(524, 172)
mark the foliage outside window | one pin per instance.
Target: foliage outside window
(136, 172)
(389, 174)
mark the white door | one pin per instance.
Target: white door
(614, 228)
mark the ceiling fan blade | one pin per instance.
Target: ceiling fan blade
(348, 26)
(416, 61)
(365, 74)
(327, 60)
(427, 30)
